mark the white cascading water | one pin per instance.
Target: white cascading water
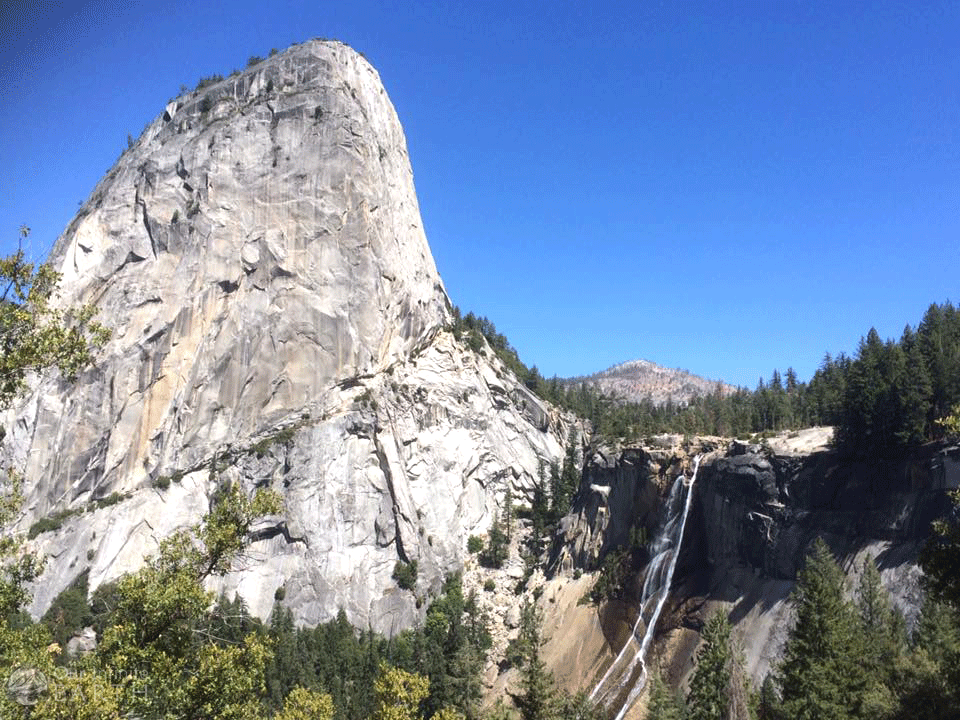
(656, 587)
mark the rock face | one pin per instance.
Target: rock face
(756, 511)
(277, 319)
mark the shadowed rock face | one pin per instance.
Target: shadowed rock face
(277, 320)
(756, 511)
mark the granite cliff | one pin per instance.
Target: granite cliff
(277, 320)
(756, 510)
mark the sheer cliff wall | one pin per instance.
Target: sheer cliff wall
(277, 320)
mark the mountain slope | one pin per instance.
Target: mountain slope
(638, 380)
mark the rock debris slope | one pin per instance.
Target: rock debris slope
(277, 320)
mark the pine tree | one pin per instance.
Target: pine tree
(820, 676)
(882, 641)
(882, 627)
(539, 513)
(664, 703)
(709, 697)
(569, 477)
(928, 680)
(495, 553)
(538, 699)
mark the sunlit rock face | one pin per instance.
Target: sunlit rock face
(277, 319)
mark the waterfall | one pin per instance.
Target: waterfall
(656, 587)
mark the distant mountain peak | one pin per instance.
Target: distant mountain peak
(636, 380)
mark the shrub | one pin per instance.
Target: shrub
(111, 499)
(489, 586)
(254, 60)
(474, 544)
(281, 437)
(208, 81)
(405, 574)
(51, 522)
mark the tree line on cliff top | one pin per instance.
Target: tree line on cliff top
(889, 396)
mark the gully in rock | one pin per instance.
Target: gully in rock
(656, 587)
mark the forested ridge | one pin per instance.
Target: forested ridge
(887, 397)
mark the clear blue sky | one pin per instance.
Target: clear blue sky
(722, 187)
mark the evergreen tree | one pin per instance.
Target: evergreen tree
(283, 670)
(820, 676)
(664, 703)
(928, 680)
(768, 705)
(940, 557)
(538, 698)
(882, 641)
(569, 476)
(709, 696)
(498, 545)
(539, 513)
(882, 628)
(556, 495)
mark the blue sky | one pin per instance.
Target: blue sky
(722, 187)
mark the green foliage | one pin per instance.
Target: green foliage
(950, 424)
(207, 81)
(449, 649)
(79, 696)
(35, 333)
(55, 521)
(611, 582)
(108, 501)
(539, 698)
(254, 60)
(474, 544)
(161, 653)
(664, 704)
(539, 514)
(152, 639)
(882, 631)
(399, 694)
(304, 704)
(284, 436)
(489, 585)
(69, 613)
(710, 686)
(820, 677)
(52, 522)
(405, 573)
(497, 548)
(940, 558)
(889, 397)
(928, 678)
